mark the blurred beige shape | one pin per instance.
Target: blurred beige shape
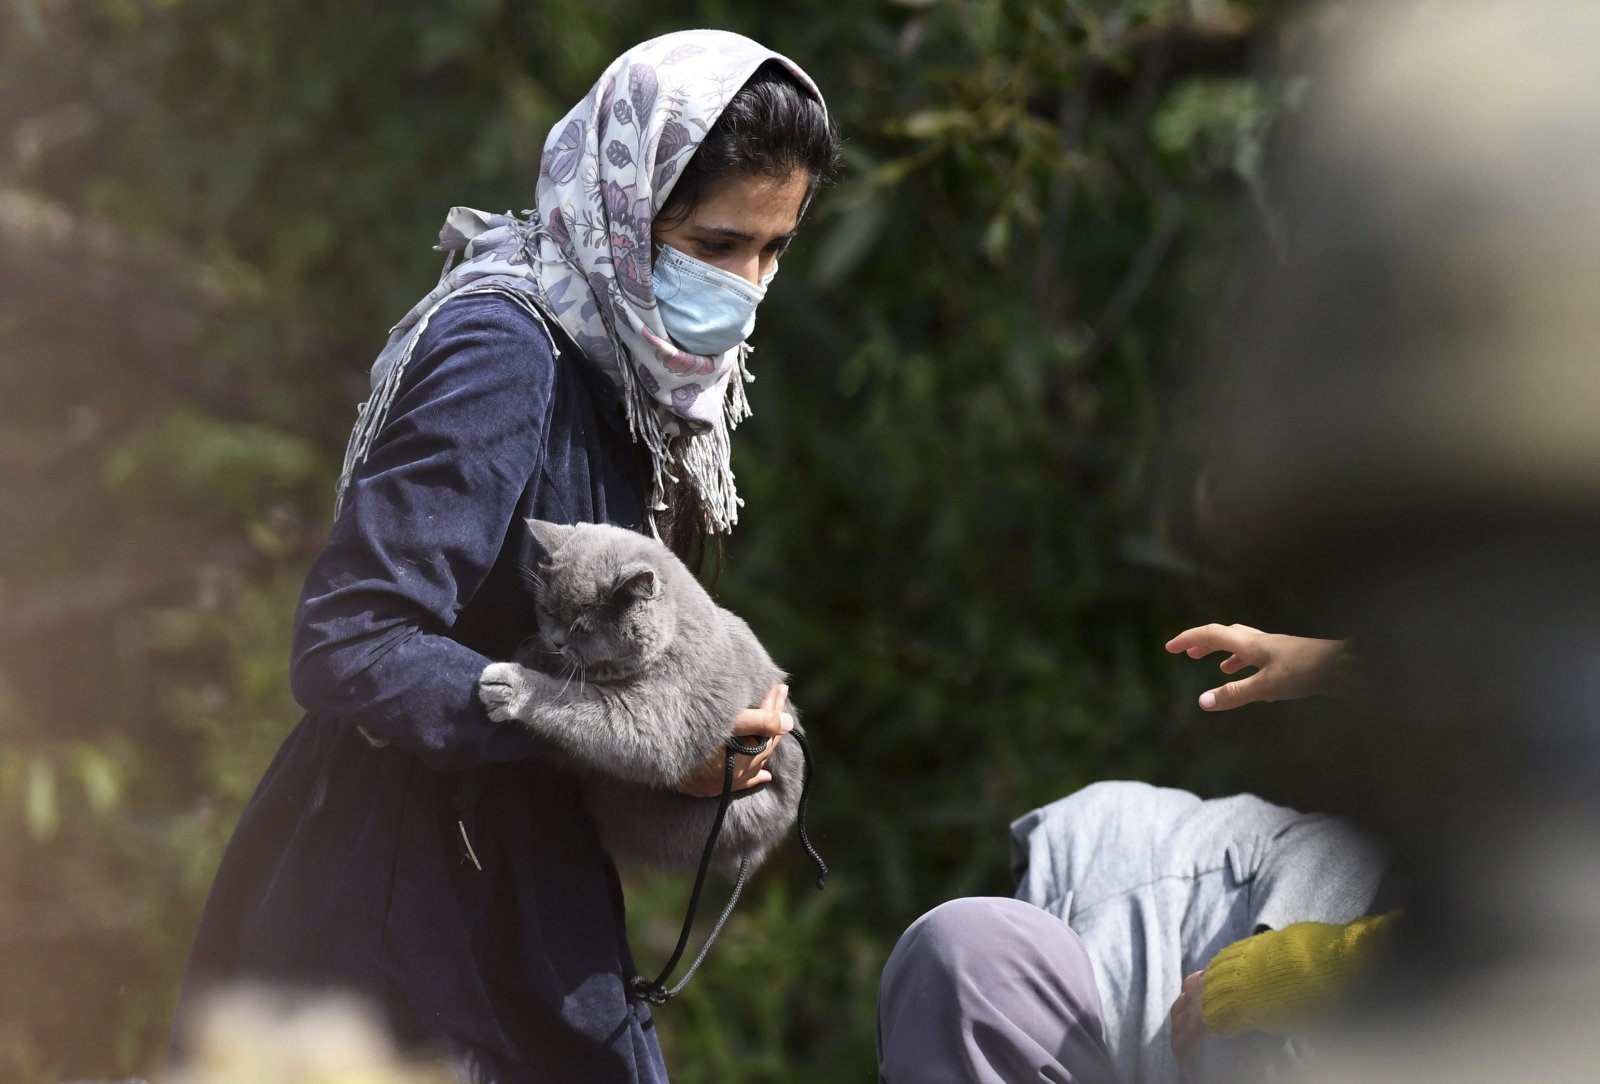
(1424, 432)
(256, 1036)
(1473, 129)
(1527, 1019)
(1432, 358)
(1493, 107)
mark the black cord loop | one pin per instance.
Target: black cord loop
(655, 991)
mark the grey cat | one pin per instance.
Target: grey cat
(636, 675)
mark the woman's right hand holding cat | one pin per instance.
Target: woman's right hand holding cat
(770, 720)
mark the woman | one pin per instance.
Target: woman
(584, 364)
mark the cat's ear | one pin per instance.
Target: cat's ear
(637, 580)
(550, 536)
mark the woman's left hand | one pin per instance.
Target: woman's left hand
(1189, 1031)
(770, 721)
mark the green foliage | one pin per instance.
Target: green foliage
(967, 480)
(187, 460)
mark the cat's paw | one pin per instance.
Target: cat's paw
(505, 691)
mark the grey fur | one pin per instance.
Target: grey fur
(636, 675)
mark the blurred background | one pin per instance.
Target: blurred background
(975, 499)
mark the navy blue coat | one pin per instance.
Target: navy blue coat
(349, 868)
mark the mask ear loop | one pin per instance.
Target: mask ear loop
(655, 991)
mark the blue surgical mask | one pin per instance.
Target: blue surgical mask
(704, 309)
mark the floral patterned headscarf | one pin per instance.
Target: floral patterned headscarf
(583, 258)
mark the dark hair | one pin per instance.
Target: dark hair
(772, 127)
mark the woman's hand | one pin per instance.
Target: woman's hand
(1288, 667)
(770, 720)
(1188, 1030)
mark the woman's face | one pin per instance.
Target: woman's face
(743, 225)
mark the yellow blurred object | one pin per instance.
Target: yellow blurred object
(1281, 981)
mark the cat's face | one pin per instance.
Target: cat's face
(603, 604)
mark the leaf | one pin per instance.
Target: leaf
(1205, 111)
(997, 236)
(931, 123)
(851, 238)
(100, 776)
(674, 138)
(682, 53)
(561, 161)
(642, 87)
(210, 462)
(27, 12)
(41, 809)
(894, 171)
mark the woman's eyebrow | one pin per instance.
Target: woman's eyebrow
(729, 233)
(725, 233)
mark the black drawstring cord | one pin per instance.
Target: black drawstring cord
(656, 992)
(805, 795)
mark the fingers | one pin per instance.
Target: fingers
(1234, 693)
(706, 780)
(752, 771)
(1204, 639)
(748, 781)
(750, 764)
(1232, 664)
(759, 722)
(1188, 1028)
(1178, 1028)
(770, 719)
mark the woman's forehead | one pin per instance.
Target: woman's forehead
(753, 206)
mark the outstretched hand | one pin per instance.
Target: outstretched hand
(772, 721)
(1287, 667)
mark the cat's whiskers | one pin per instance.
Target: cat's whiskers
(573, 668)
(532, 577)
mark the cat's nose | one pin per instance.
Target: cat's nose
(557, 638)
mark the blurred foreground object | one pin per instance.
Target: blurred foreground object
(254, 1036)
(1414, 434)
